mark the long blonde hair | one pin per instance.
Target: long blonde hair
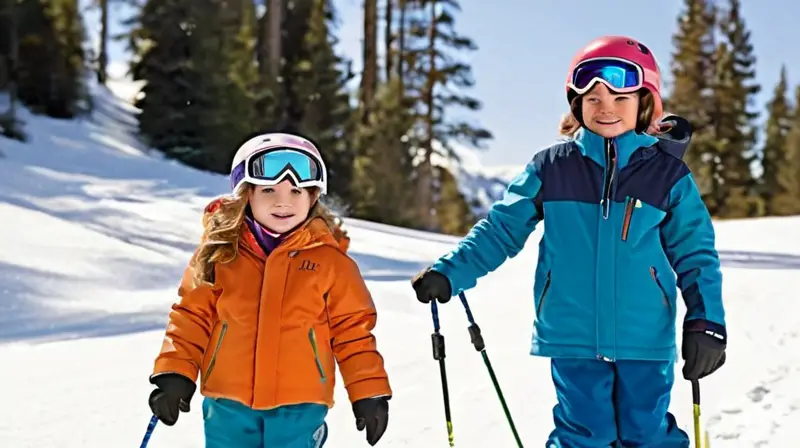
(569, 125)
(222, 229)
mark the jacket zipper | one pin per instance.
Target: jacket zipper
(213, 361)
(312, 337)
(544, 294)
(630, 203)
(611, 169)
(654, 274)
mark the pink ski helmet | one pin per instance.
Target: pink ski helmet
(623, 64)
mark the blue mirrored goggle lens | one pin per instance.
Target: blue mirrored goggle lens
(618, 74)
(273, 164)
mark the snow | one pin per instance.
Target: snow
(95, 231)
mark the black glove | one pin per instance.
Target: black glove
(430, 284)
(173, 394)
(703, 348)
(372, 414)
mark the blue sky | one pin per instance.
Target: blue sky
(525, 48)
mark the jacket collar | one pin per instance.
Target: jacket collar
(314, 232)
(593, 145)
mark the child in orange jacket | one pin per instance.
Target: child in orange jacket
(268, 304)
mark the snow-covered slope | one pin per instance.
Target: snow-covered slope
(94, 234)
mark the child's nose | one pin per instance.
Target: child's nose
(283, 200)
(606, 106)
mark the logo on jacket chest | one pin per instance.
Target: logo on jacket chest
(308, 265)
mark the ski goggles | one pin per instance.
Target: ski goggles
(273, 165)
(619, 75)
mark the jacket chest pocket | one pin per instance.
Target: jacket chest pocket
(630, 207)
(639, 219)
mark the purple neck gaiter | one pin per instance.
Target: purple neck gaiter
(267, 239)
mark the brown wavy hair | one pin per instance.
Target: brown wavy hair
(222, 229)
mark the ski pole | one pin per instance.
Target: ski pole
(477, 341)
(150, 427)
(698, 437)
(438, 354)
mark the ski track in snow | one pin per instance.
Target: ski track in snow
(96, 232)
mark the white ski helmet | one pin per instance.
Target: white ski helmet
(268, 159)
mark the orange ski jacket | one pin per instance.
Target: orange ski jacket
(271, 329)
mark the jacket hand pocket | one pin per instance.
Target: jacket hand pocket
(543, 295)
(312, 339)
(213, 360)
(664, 295)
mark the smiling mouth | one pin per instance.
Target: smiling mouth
(282, 215)
(608, 122)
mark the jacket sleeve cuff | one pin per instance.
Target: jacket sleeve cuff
(706, 326)
(373, 387)
(172, 365)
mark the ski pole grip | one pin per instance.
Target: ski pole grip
(435, 315)
(696, 392)
(476, 337)
(438, 346)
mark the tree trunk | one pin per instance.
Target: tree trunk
(12, 59)
(369, 76)
(102, 58)
(401, 44)
(388, 39)
(425, 169)
(274, 37)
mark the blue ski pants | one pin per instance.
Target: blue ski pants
(230, 424)
(614, 404)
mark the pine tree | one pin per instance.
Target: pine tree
(440, 80)
(692, 69)
(383, 167)
(295, 26)
(318, 103)
(775, 145)
(163, 44)
(225, 54)
(50, 70)
(786, 201)
(722, 114)
(734, 122)
(452, 209)
(201, 77)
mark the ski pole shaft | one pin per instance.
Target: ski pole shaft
(502, 399)
(149, 432)
(698, 433)
(477, 341)
(439, 354)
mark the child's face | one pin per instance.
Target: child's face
(607, 113)
(281, 207)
